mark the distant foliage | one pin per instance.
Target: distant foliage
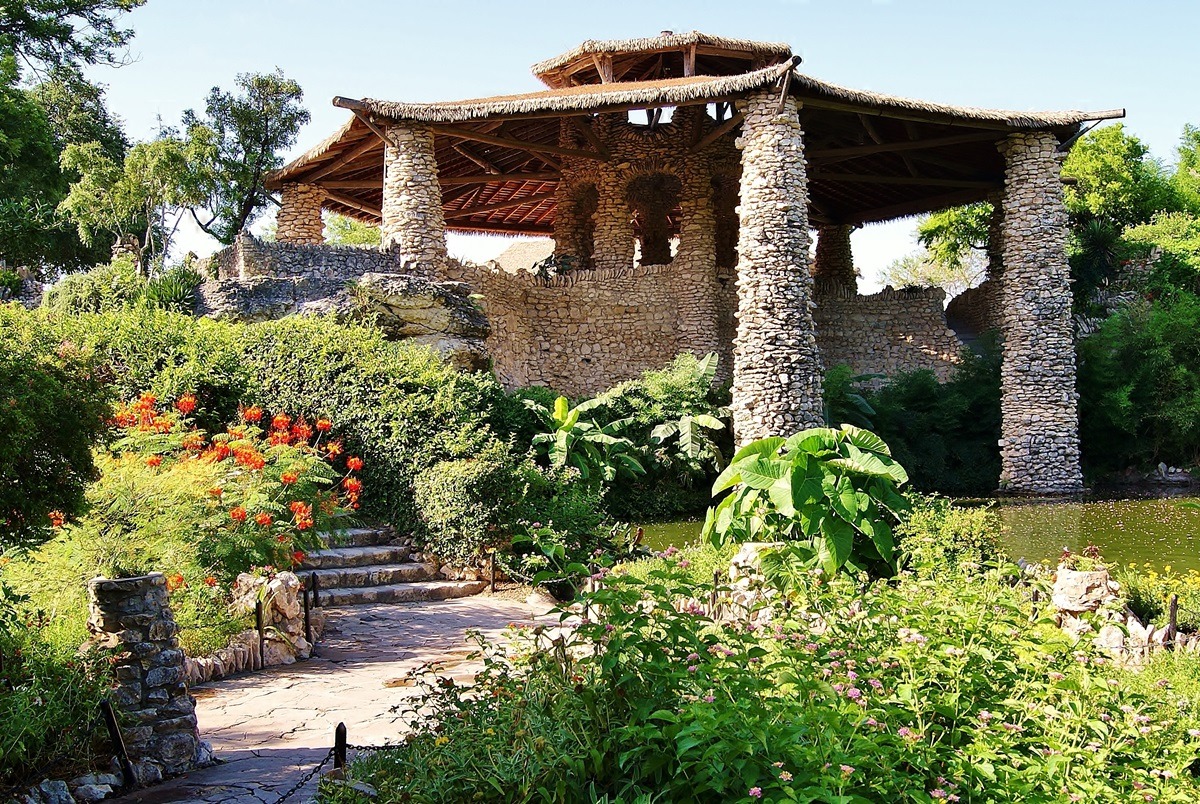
(104, 288)
(937, 538)
(341, 230)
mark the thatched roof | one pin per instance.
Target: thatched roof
(871, 156)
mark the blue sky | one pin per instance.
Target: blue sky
(1017, 54)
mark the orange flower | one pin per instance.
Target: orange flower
(295, 506)
(236, 432)
(216, 491)
(147, 400)
(354, 463)
(57, 518)
(304, 524)
(252, 414)
(185, 404)
(238, 514)
(288, 478)
(154, 460)
(279, 437)
(298, 557)
(210, 581)
(301, 431)
(352, 485)
(324, 425)
(263, 518)
(193, 441)
(256, 462)
(175, 581)
(162, 424)
(334, 448)
(283, 537)
(281, 421)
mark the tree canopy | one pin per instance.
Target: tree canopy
(53, 33)
(241, 137)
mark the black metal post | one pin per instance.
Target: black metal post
(339, 747)
(1037, 596)
(1173, 615)
(316, 592)
(258, 626)
(307, 617)
(118, 744)
(492, 570)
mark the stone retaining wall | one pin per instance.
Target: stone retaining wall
(251, 257)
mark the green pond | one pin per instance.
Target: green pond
(1155, 531)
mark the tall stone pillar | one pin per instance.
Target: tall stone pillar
(694, 269)
(834, 260)
(299, 217)
(1039, 444)
(413, 226)
(613, 232)
(776, 365)
(158, 716)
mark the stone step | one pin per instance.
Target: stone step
(375, 575)
(418, 591)
(365, 556)
(357, 537)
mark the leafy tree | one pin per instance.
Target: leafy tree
(240, 139)
(341, 230)
(77, 112)
(53, 33)
(1116, 179)
(1187, 170)
(145, 194)
(954, 237)
(922, 269)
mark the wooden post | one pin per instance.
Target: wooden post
(118, 744)
(258, 626)
(339, 747)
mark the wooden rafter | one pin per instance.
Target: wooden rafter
(604, 66)
(718, 132)
(479, 159)
(914, 207)
(490, 139)
(376, 130)
(370, 144)
(584, 124)
(354, 203)
(499, 205)
(449, 181)
(866, 178)
(829, 155)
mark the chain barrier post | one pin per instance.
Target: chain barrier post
(307, 616)
(258, 626)
(130, 781)
(339, 747)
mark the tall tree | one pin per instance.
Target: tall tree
(242, 137)
(1187, 169)
(1117, 181)
(341, 230)
(78, 113)
(50, 33)
(956, 236)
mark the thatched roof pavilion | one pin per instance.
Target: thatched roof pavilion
(575, 161)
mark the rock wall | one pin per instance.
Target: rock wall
(299, 219)
(250, 257)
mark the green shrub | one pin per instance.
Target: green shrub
(697, 563)
(10, 283)
(103, 288)
(937, 536)
(945, 434)
(52, 409)
(917, 692)
(1148, 593)
(845, 402)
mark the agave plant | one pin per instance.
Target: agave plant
(597, 451)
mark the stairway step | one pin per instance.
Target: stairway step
(340, 557)
(375, 575)
(401, 592)
(357, 537)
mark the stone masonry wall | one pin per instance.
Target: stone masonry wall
(133, 616)
(250, 257)
(413, 224)
(1039, 447)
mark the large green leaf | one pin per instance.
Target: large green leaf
(763, 446)
(780, 494)
(762, 473)
(561, 409)
(663, 431)
(815, 440)
(836, 544)
(865, 439)
(711, 422)
(869, 464)
(842, 499)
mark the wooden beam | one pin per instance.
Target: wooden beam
(829, 155)
(369, 145)
(917, 115)
(478, 159)
(468, 134)
(866, 178)
(584, 124)
(499, 205)
(376, 130)
(448, 181)
(689, 61)
(604, 67)
(915, 207)
(718, 132)
(354, 203)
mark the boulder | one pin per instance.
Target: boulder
(1078, 591)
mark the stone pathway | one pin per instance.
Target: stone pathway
(271, 728)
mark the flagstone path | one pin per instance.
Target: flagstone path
(270, 728)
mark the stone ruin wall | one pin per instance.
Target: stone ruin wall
(251, 257)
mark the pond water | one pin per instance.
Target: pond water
(1155, 531)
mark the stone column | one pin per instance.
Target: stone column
(158, 716)
(413, 226)
(1039, 444)
(299, 217)
(613, 233)
(777, 369)
(694, 269)
(834, 260)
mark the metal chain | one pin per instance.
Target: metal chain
(307, 778)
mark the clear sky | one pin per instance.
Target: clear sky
(1015, 54)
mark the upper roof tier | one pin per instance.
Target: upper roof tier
(668, 55)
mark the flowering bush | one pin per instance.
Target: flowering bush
(1148, 593)
(908, 691)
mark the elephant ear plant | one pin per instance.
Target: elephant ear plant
(831, 494)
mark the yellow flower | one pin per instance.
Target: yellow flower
(440, 741)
